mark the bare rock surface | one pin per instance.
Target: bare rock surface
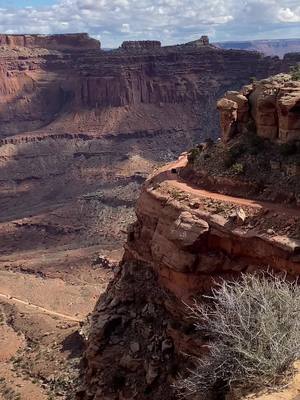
(185, 239)
(274, 105)
(215, 213)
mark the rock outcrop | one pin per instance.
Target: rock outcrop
(70, 42)
(185, 240)
(270, 106)
(141, 45)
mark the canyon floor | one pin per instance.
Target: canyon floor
(62, 204)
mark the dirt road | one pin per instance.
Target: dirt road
(12, 299)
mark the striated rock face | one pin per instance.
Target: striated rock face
(191, 236)
(271, 106)
(174, 87)
(71, 41)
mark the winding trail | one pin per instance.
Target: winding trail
(13, 299)
(174, 180)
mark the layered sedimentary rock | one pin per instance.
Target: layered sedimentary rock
(186, 238)
(39, 87)
(141, 45)
(71, 41)
(270, 106)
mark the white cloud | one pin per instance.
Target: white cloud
(288, 15)
(170, 21)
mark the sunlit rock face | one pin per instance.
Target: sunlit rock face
(270, 106)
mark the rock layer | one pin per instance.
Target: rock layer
(271, 107)
(72, 41)
(40, 86)
(187, 239)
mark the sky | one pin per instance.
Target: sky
(171, 21)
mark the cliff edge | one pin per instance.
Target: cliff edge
(189, 234)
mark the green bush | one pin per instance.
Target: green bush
(237, 169)
(253, 326)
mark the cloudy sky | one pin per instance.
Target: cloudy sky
(171, 21)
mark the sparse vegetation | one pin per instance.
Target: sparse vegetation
(295, 72)
(178, 195)
(253, 327)
(233, 154)
(193, 154)
(238, 169)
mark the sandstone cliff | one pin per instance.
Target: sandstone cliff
(147, 87)
(272, 105)
(72, 41)
(184, 240)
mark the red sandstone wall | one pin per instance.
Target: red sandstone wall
(78, 41)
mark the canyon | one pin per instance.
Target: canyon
(80, 131)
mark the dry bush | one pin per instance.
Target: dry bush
(253, 327)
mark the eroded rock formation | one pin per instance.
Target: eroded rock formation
(150, 88)
(270, 106)
(71, 41)
(141, 45)
(185, 240)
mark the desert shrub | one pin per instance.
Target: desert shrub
(237, 169)
(295, 72)
(253, 326)
(193, 154)
(233, 154)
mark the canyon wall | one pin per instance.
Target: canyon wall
(45, 88)
(71, 41)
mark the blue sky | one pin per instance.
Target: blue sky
(171, 21)
(25, 3)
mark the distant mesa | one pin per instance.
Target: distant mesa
(203, 41)
(83, 42)
(272, 47)
(141, 45)
(70, 41)
(155, 44)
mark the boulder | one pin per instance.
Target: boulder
(228, 118)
